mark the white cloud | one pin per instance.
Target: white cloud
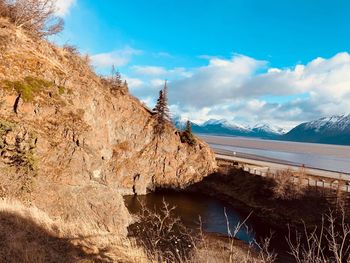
(134, 82)
(63, 6)
(215, 83)
(246, 90)
(118, 58)
(149, 70)
(161, 71)
(157, 82)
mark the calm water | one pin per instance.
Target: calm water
(312, 160)
(189, 207)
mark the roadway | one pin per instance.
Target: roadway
(262, 162)
(260, 166)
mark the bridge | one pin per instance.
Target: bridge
(267, 167)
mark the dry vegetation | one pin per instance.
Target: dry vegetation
(328, 242)
(37, 17)
(285, 188)
(30, 235)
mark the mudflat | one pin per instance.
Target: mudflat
(283, 146)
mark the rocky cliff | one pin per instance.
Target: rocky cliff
(72, 146)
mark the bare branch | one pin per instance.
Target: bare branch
(36, 16)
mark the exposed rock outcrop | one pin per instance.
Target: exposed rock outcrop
(82, 144)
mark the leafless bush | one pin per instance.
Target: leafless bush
(231, 250)
(328, 243)
(285, 188)
(36, 16)
(163, 234)
(71, 49)
(264, 254)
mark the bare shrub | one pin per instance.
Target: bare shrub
(232, 250)
(285, 188)
(163, 234)
(330, 242)
(71, 49)
(36, 16)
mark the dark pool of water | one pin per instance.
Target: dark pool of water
(193, 208)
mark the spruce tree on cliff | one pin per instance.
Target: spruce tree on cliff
(187, 136)
(116, 78)
(188, 128)
(161, 110)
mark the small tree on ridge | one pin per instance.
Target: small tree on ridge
(187, 135)
(161, 110)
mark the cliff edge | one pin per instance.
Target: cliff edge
(72, 146)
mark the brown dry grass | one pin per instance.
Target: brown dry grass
(27, 234)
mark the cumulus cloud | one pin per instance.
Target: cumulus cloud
(149, 70)
(215, 83)
(161, 71)
(134, 82)
(63, 6)
(118, 58)
(246, 90)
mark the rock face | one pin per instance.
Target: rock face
(72, 146)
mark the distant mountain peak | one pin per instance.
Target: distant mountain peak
(334, 129)
(269, 128)
(335, 122)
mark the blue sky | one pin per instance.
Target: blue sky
(279, 62)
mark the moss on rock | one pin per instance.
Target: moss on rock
(29, 87)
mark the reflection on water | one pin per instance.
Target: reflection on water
(325, 162)
(190, 208)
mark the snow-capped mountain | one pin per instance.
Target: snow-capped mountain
(333, 130)
(225, 123)
(269, 129)
(224, 127)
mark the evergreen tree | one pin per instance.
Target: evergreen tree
(188, 128)
(166, 111)
(116, 78)
(187, 136)
(161, 110)
(126, 86)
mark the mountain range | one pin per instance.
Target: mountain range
(330, 130)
